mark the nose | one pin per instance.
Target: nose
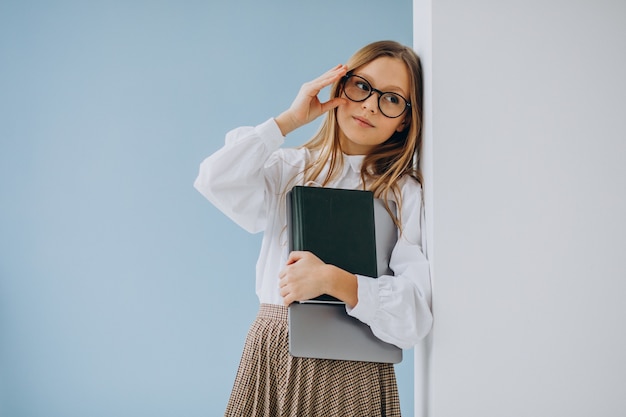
(371, 103)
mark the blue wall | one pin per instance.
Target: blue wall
(122, 291)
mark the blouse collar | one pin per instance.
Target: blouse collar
(354, 161)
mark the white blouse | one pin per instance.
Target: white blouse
(247, 180)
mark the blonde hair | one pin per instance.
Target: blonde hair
(386, 163)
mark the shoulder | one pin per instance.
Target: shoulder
(291, 157)
(410, 189)
(409, 182)
(411, 210)
(286, 166)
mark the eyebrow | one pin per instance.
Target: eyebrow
(388, 89)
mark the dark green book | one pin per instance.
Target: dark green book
(336, 225)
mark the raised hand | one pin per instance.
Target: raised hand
(307, 107)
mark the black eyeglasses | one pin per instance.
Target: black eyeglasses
(358, 89)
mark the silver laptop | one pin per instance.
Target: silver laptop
(324, 330)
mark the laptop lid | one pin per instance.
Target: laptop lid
(326, 331)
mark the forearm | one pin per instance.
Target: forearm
(286, 123)
(342, 285)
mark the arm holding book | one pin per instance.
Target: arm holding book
(397, 308)
(306, 277)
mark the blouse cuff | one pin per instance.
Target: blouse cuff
(369, 299)
(271, 134)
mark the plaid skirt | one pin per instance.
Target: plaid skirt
(271, 382)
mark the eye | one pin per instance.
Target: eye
(392, 99)
(362, 85)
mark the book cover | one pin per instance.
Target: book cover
(336, 225)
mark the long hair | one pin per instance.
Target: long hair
(386, 163)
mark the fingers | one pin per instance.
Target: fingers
(285, 289)
(307, 107)
(332, 103)
(313, 88)
(327, 78)
(287, 296)
(302, 278)
(288, 282)
(295, 256)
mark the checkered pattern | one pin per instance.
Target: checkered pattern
(270, 382)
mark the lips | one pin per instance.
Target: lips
(362, 121)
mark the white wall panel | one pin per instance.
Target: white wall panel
(528, 199)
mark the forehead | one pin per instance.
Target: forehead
(386, 74)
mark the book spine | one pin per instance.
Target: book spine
(294, 220)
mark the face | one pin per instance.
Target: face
(361, 124)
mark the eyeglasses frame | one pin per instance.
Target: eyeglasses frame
(373, 90)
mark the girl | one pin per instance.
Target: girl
(370, 139)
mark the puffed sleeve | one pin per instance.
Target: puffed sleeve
(398, 307)
(235, 178)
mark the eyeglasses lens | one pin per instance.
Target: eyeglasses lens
(358, 89)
